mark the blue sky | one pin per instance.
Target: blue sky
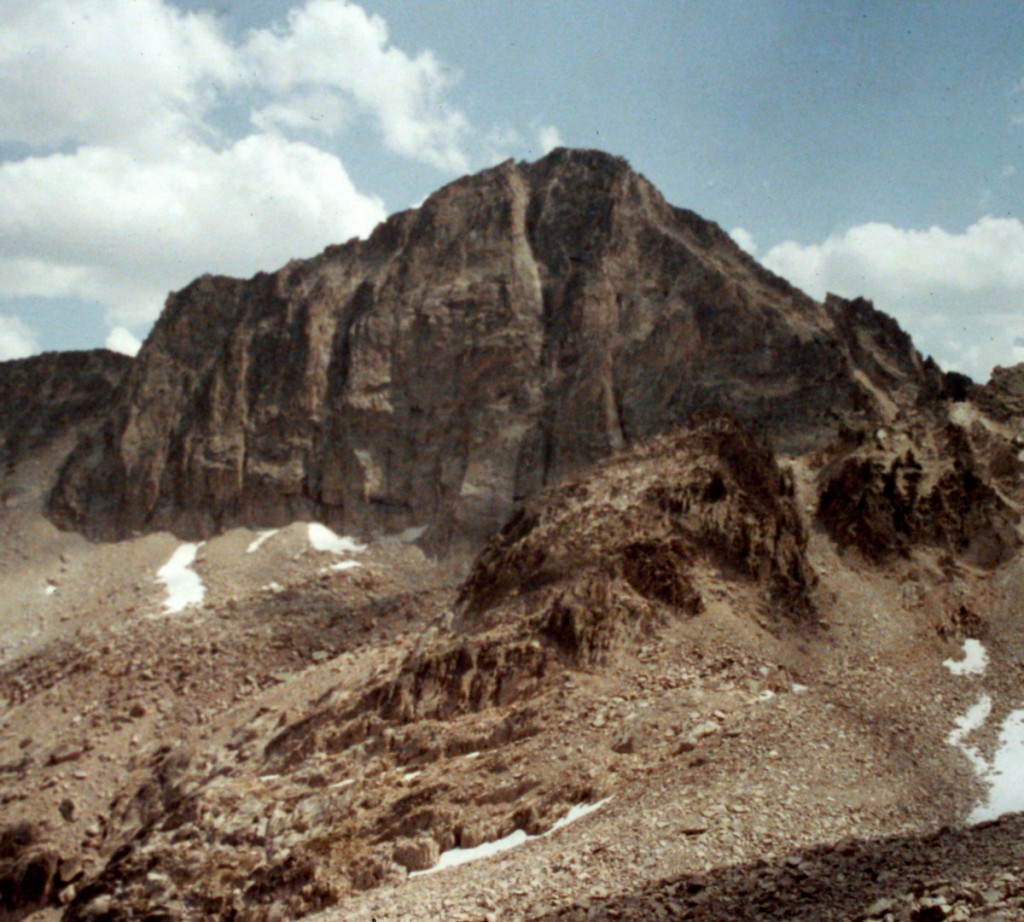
(863, 148)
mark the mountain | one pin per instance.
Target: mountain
(522, 324)
(53, 396)
(540, 557)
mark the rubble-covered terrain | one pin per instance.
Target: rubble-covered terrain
(742, 662)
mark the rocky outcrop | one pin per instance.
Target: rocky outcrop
(55, 394)
(623, 546)
(1003, 396)
(29, 872)
(521, 324)
(881, 500)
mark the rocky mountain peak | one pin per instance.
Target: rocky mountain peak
(521, 324)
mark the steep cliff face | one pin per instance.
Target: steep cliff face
(55, 394)
(521, 324)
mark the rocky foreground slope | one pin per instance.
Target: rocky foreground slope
(653, 604)
(677, 640)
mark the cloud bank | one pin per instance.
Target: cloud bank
(16, 340)
(128, 183)
(960, 295)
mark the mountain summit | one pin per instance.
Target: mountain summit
(523, 323)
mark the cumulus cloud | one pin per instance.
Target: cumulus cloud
(123, 340)
(105, 225)
(549, 138)
(108, 71)
(17, 341)
(340, 50)
(135, 185)
(744, 239)
(961, 296)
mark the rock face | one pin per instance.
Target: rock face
(53, 394)
(625, 543)
(879, 499)
(1003, 396)
(521, 324)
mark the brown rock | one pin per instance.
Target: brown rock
(573, 311)
(66, 752)
(417, 855)
(53, 394)
(1003, 396)
(67, 809)
(625, 744)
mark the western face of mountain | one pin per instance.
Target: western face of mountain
(53, 395)
(521, 324)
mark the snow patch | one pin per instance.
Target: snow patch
(577, 813)
(323, 539)
(975, 717)
(411, 776)
(184, 587)
(975, 660)
(345, 565)
(799, 689)
(343, 784)
(456, 856)
(261, 538)
(1005, 774)
(50, 589)
(411, 534)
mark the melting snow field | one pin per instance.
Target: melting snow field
(1004, 774)
(411, 534)
(966, 725)
(260, 539)
(975, 660)
(323, 539)
(345, 565)
(184, 587)
(457, 856)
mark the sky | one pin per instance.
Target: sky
(862, 148)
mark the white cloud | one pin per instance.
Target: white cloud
(108, 226)
(123, 340)
(135, 187)
(318, 111)
(108, 71)
(961, 296)
(17, 341)
(744, 239)
(335, 46)
(549, 138)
